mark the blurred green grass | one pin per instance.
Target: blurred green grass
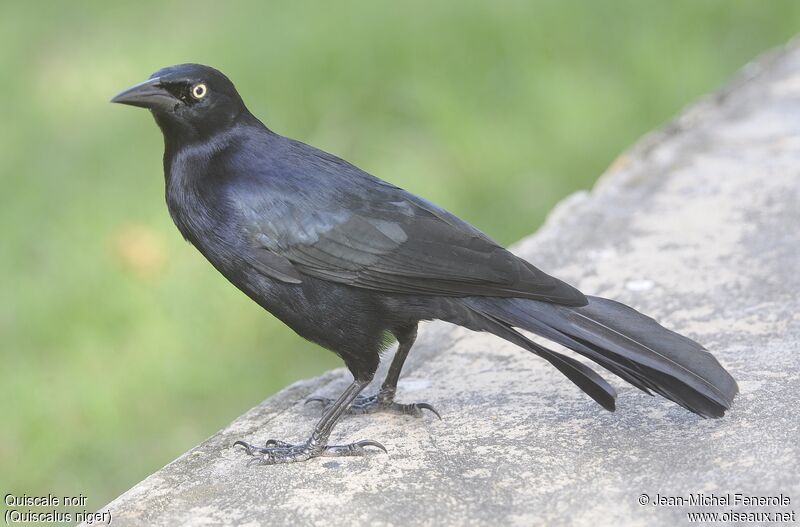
(121, 347)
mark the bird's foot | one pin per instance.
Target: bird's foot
(377, 403)
(274, 451)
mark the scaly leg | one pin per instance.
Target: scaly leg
(384, 401)
(274, 451)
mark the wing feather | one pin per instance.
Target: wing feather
(328, 219)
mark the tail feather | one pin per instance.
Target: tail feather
(584, 377)
(627, 343)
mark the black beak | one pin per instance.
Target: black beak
(148, 94)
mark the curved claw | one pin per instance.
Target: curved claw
(369, 442)
(352, 449)
(316, 399)
(254, 461)
(248, 448)
(426, 406)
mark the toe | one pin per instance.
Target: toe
(275, 442)
(353, 449)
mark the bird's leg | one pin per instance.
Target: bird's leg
(274, 452)
(383, 401)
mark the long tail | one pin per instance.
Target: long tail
(627, 343)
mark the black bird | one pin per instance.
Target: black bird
(350, 261)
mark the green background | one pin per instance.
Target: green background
(121, 346)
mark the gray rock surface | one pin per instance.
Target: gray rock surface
(698, 226)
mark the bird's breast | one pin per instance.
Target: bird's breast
(190, 192)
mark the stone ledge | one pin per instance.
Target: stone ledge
(698, 226)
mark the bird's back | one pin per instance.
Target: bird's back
(322, 216)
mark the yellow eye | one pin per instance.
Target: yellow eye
(199, 91)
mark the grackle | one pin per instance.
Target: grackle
(351, 262)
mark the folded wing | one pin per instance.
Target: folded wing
(376, 236)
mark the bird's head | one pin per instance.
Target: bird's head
(188, 101)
